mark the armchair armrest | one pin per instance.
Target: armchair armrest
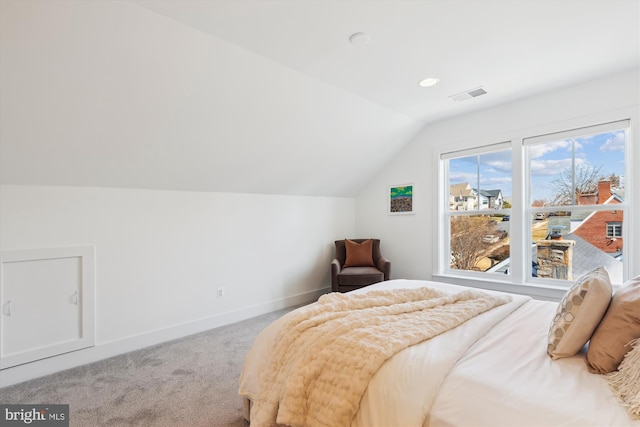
(335, 270)
(384, 265)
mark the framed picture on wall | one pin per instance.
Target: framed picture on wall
(401, 199)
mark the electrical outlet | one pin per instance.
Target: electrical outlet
(221, 292)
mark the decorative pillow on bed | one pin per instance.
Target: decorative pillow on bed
(626, 382)
(359, 254)
(620, 325)
(579, 313)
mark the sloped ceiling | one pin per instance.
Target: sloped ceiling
(514, 48)
(269, 96)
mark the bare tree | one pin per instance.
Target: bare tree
(500, 254)
(567, 189)
(466, 241)
(614, 179)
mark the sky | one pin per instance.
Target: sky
(547, 161)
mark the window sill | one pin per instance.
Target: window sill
(538, 291)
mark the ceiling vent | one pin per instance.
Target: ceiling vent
(473, 93)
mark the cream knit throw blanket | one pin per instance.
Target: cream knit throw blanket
(625, 382)
(326, 353)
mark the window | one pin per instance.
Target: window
(479, 182)
(576, 184)
(614, 229)
(568, 219)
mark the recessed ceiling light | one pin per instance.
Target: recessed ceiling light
(359, 39)
(429, 81)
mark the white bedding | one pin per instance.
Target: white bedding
(507, 379)
(491, 371)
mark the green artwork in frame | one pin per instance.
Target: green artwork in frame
(401, 199)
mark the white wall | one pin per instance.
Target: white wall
(160, 255)
(411, 242)
(111, 94)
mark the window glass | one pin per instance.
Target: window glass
(479, 242)
(479, 183)
(566, 245)
(577, 188)
(569, 171)
(614, 229)
(574, 213)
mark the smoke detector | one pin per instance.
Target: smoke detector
(473, 93)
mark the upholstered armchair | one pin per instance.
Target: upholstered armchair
(358, 263)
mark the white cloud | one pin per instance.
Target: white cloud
(540, 150)
(486, 182)
(494, 181)
(501, 165)
(461, 177)
(614, 144)
(552, 167)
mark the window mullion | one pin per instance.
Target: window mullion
(519, 227)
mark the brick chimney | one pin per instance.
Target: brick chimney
(604, 191)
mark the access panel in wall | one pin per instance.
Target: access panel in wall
(47, 298)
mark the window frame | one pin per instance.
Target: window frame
(520, 279)
(444, 261)
(615, 225)
(574, 132)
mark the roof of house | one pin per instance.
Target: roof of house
(463, 190)
(585, 216)
(489, 193)
(618, 192)
(586, 257)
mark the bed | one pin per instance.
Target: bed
(492, 370)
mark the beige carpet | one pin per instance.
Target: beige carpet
(192, 381)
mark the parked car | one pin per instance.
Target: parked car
(506, 218)
(490, 238)
(539, 216)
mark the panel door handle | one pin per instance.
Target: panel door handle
(74, 298)
(7, 309)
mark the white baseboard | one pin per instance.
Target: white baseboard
(100, 351)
